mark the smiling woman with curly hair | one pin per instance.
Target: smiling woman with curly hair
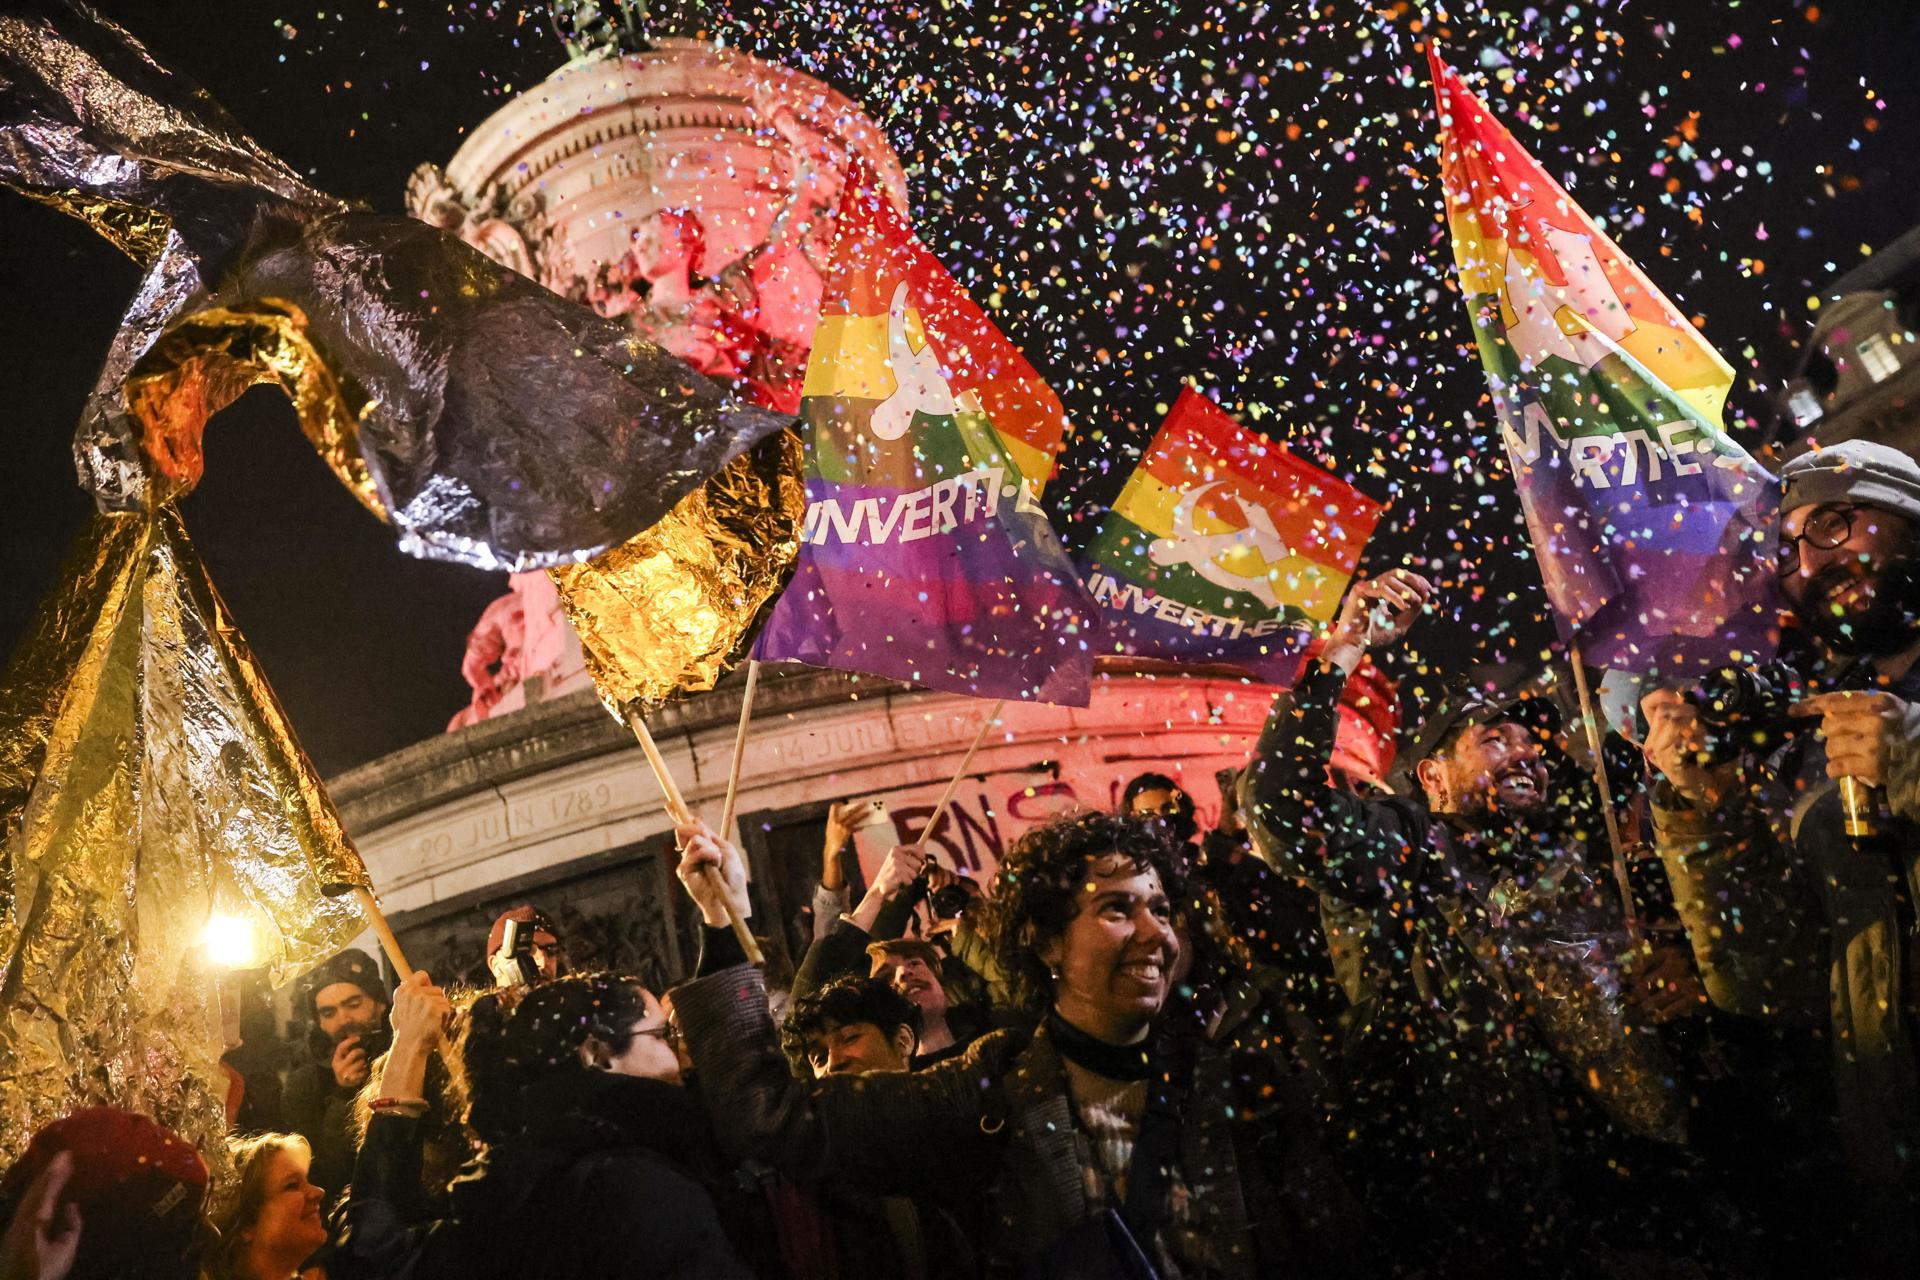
(1108, 1146)
(1116, 979)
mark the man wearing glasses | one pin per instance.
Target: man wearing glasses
(1791, 916)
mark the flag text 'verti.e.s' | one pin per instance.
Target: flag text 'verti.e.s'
(1650, 524)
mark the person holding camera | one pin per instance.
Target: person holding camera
(1791, 916)
(347, 1001)
(523, 948)
(1495, 1046)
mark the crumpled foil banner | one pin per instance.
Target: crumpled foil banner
(148, 781)
(671, 610)
(206, 361)
(493, 422)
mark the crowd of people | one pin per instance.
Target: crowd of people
(1353, 1030)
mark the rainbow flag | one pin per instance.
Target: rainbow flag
(1650, 524)
(925, 555)
(1224, 548)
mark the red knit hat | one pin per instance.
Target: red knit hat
(140, 1189)
(527, 915)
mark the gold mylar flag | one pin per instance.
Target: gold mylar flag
(674, 607)
(149, 783)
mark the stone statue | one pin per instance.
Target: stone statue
(520, 651)
(686, 189)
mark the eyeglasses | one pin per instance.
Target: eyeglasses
(1826, 529)
(666, 1032)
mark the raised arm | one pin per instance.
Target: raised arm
(871, 1130)
(1300, 822)
(842, 949)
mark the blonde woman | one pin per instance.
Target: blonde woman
(269, 1220)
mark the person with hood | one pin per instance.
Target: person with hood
(1502, 1096)
(1103, 1143)
(346, 1000)
(599, 1161)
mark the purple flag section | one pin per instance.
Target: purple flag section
(925, 556)
(1652, 527)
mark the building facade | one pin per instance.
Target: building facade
(554, 804)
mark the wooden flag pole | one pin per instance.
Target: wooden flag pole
(739, 745)
(677, 809)
(1620, 872)
(940, 810)
(383, 931)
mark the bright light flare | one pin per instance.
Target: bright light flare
(230, 942)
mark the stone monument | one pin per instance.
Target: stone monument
(684, 187)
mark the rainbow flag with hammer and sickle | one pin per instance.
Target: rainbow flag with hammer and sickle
(925, 555)
(1650, 525)
(1224, 549)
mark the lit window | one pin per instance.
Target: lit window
(1877, 357)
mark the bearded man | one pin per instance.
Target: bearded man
(1790, 916)
(1503, 1086)
(346, 1002)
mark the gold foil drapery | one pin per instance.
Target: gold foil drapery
(671, 610)
(205, 362)
(489, 420)
(148, 782)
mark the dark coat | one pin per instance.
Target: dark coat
(997, 1120)
(320, 1111)
(611, 1176)
(1485, 1074)
(1790, 919)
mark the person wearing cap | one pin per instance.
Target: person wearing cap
(1494, 1075)
(535, 955)
(1814, 926)
(347, 1001)
(104, 1194)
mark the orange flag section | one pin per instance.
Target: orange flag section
(1318, 517)
(1519, 237)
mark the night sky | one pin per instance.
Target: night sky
(1241, 196)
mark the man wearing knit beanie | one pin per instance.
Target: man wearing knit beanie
(347, 1001)
(1819, 926)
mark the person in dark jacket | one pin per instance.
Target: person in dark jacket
(854, 1025)
(1106, 1148)
(1505, 1109)
(1791, 918)
(347, 1002)
(599, 1161)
